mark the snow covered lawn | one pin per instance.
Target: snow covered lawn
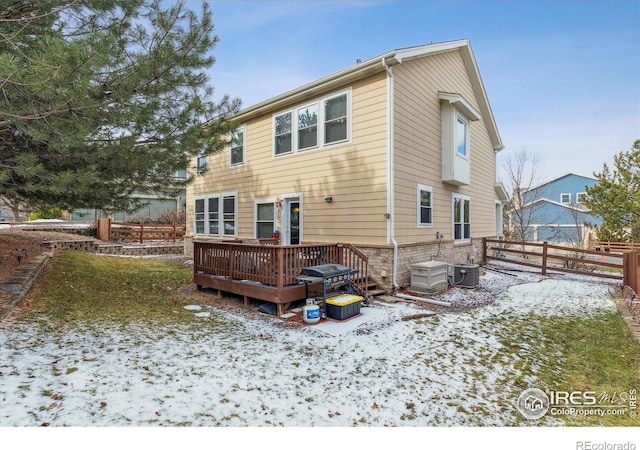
(224, 369)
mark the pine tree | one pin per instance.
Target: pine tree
(616, 198)
(100, 99)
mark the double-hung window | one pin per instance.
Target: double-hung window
(308, 127)
(283, 134)
(213, 210)
(335, 119)
(565, 198)
(199, 224)
(216, 215)
(236, 152)
(265, 219)
(229, 215)
(461, 218)
(202, 163)
(324, 122)
(425, 206)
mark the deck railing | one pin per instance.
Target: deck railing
(274, 265)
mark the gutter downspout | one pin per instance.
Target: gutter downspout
(390, 172)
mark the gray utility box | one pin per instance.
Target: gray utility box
(429, 275)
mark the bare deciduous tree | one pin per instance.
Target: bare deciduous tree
(521, 174)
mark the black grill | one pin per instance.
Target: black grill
(326, 270)
(331, 275)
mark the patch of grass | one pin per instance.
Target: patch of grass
(82, 287)
(599, 354)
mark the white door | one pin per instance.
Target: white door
(291, 221)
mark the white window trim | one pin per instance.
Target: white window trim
(273, 137)
(578, 195)
(422, 187)
(264, 201)
(220, 198)
(320, 125)
(295, 147)
(204, 167)
(195, 221)
(453, 223)
(467, 135)
(243, 129)
(565, 193)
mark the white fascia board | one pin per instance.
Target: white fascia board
(311, 90)
(462, 104)
(501, 191)
(406, 54)
(478, 86)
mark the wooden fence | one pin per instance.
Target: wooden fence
(140, 232)
(617, 265)
(607, 246)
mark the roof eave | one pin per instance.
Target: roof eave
(310, 90)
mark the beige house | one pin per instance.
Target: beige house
(395, 155)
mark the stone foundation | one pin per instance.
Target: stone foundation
(381, 258)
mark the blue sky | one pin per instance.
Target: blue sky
(563, 77)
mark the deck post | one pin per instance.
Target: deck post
(281, 274)
(232, 262)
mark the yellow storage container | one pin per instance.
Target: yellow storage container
(343, 306)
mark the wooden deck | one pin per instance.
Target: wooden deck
(268, 272)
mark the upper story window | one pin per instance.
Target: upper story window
(565, 198)
(236, 151)
(283, 133)
(461, 135)
(315, 125)
(308, 127)
(202, 164)
(425, 206)
(335, 119)
(580, 197)
(457, 115)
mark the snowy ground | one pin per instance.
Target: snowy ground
(229, 370)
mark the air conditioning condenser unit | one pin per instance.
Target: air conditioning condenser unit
(465, 275)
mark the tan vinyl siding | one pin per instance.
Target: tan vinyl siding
(418, 149)
(353, 174)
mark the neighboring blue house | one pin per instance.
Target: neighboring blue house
(556, 213)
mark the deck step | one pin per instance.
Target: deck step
(376, 292)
